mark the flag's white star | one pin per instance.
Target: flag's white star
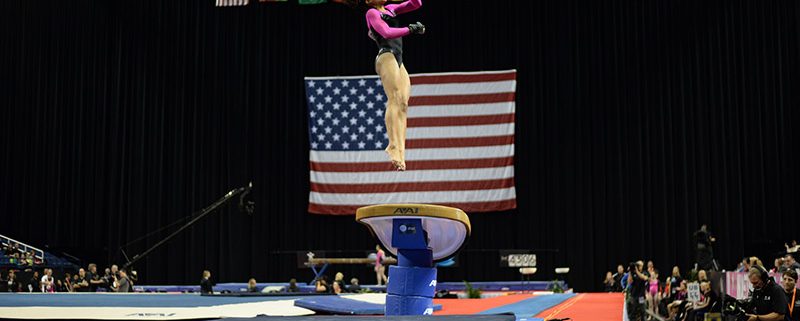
(311, 84)
(379, 144)
(361, 113)
(320, 137)
(370, 121)
(361, 145)
(329, 98)
(378, 97)
(353, 105)
(336, 121)
(320, 106)
(369, 136)
(379, 128)
(313, 114)
(312, 98)
(345, 99)
(345, 83)
(379, 112)
(370, 90)
(320, 91)
(362, 97)
(353, 91)
(346, 145)
(328, 114)
(385, 135)
(328, 145)
(336, 91)
(328, 83)
(353, 121)
(370, 105)
(361, 129)
(345, 129)
(378, 83)
(345, 114)
(314, 145)
(320, 121)
(336, 106)
(362, 82)
(353, 136)
(314, 129)
(328, 130)
(336, 137)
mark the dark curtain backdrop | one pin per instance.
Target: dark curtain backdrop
(636, 122)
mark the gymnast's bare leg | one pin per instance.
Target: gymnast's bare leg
(397, 86)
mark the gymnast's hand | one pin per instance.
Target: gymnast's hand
(417, 28)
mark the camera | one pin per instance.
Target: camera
(735, 308)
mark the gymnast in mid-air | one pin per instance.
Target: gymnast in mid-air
(385, 29)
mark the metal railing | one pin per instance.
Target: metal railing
(7, 241)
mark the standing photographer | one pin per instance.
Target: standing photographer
(635, 299)
(768, 301)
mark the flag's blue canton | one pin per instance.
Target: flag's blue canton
(346, 114)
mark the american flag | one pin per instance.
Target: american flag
(459, 144)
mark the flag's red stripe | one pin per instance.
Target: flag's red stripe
(459, 142)
(461, 99)
(412, 187)
(413, 165)
(423, 80)
(466, 207)
(460, 120)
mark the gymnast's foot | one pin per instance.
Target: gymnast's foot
(396, 156)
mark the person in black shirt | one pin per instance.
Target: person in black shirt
(81, 284)
(768, 300)
(635, 299)
(33, 284)
(789, 281)
(704, 251)
(205, 283)
(12, 284)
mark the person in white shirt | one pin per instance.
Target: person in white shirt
(47, 281)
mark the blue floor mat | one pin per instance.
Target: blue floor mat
(124, 300)
(341, 305)
(529, 307)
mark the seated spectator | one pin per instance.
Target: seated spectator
(790, 263)
(81, 284)
(47, 282)
(67, 283)
(321, 285)
(206, 286)
(743, 266)
(609, 285)
(251, 285)
(705, 305)
(779, 267)
(12, 284)
(354, 287)
(293, 286)
(702, 276)
(338, 284)
(33, 283)
(678, 300)
(754, 260)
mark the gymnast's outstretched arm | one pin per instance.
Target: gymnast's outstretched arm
(374, 20)
(404, 7)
